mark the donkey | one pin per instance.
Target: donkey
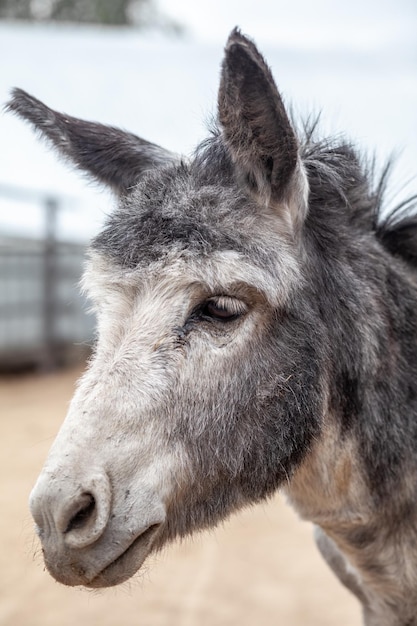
(257, 330)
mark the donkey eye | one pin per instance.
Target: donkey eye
(223, 309)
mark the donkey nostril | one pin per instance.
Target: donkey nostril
(86, 509)
(74, 513)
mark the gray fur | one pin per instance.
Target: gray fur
(321, 396)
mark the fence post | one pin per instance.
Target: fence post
(50, 281)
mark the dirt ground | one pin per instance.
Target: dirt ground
(261, 566)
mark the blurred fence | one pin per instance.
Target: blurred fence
(43, 319)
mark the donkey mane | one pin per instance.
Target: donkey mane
(339, 176)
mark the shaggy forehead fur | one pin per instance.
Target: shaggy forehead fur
(182, 218)
(194, 208)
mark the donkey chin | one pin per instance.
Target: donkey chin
(97, 570)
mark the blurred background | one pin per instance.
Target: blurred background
(153, 68)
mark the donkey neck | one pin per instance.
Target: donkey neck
(373, 552)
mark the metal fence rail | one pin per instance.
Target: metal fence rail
(42, 313)
(43, 319)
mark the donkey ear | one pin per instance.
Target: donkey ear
(257, 130)
(112, 156)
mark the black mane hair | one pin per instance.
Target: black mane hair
(339, 176)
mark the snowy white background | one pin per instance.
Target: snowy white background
(355, 61)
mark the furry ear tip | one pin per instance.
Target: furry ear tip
(21, 102)
(236, 37)
(17, 95)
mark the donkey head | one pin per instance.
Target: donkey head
(198, 399)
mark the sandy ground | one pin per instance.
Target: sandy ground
(261, 567)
